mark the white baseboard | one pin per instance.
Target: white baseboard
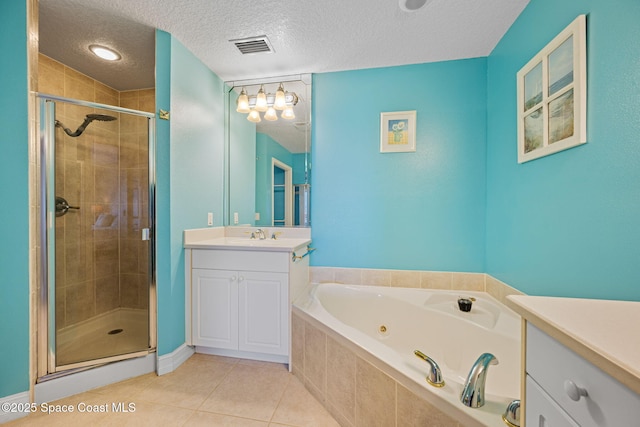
(169, 362)
(276, 358)
(17, 404)
(80, 382)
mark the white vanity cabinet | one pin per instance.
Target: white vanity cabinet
(581, 364)
(240, 310)
(238, 301)
(563, 389)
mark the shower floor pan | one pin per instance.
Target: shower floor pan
(117, 332)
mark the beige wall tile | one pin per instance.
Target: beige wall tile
(321, 275)
(375, 396)
(341, 379)
(147, 101)
(77, 86)
(499, 290)
(405, 279)
(298, 407)
(375, 277)
(348, 276)
(468, 281)
(50, 76)
(435, 280)
(414, 411)
(107, 294)
(315, 356)
(297, 343)
(79, 302)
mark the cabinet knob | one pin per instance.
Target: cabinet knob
(233, 278)
(241, 278)
(573, 391)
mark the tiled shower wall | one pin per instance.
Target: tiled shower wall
(101, 260)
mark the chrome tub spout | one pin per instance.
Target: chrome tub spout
(473, 392)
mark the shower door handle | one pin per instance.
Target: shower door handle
(62, 206)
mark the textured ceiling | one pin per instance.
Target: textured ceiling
(308, 36)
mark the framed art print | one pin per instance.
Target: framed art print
(398, 132)
(552, 96)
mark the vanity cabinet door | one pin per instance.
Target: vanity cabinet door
(263, 312)
(214, 307)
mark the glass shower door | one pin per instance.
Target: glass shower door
(99, 239)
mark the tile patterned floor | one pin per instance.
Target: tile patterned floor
(204, 391)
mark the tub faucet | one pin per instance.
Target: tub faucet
(473, 392)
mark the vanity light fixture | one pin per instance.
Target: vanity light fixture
(254, 116)
(271, 115)
(104, 52)
(279, 103)
(267, 103)
(243, 102)
(261, 100)
(288, 113)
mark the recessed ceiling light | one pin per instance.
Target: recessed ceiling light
(412, 5)
(104, 52)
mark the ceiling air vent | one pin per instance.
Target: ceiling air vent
(252, 45)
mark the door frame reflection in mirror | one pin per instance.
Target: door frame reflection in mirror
(248, 144)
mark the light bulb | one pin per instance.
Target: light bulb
(261, 101)
(243, 102)
(288, 113)
(271, 114)
(279, 103)
(254, 116)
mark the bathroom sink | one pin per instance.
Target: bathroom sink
(257, 242)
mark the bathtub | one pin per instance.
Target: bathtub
(390, 323)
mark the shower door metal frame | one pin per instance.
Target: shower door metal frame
(46, 335)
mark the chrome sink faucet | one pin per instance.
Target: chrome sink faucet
(259, 234)
(473, 392)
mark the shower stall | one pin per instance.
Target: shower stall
(96, 296)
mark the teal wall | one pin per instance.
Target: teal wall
(14, 222)
(299, 168)
(266, 149)
(416, 211)
(194, 178)
(242, 170)
(567, 224)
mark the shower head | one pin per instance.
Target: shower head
(100, 117)
(88, 119)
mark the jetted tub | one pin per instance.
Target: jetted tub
(390, 323)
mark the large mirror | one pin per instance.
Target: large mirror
(268, 153)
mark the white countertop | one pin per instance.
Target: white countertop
(246, 244)
(604, 332)
(238, 238)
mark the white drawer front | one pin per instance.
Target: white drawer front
(240, 260)
(562, 374)
(542, 411)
